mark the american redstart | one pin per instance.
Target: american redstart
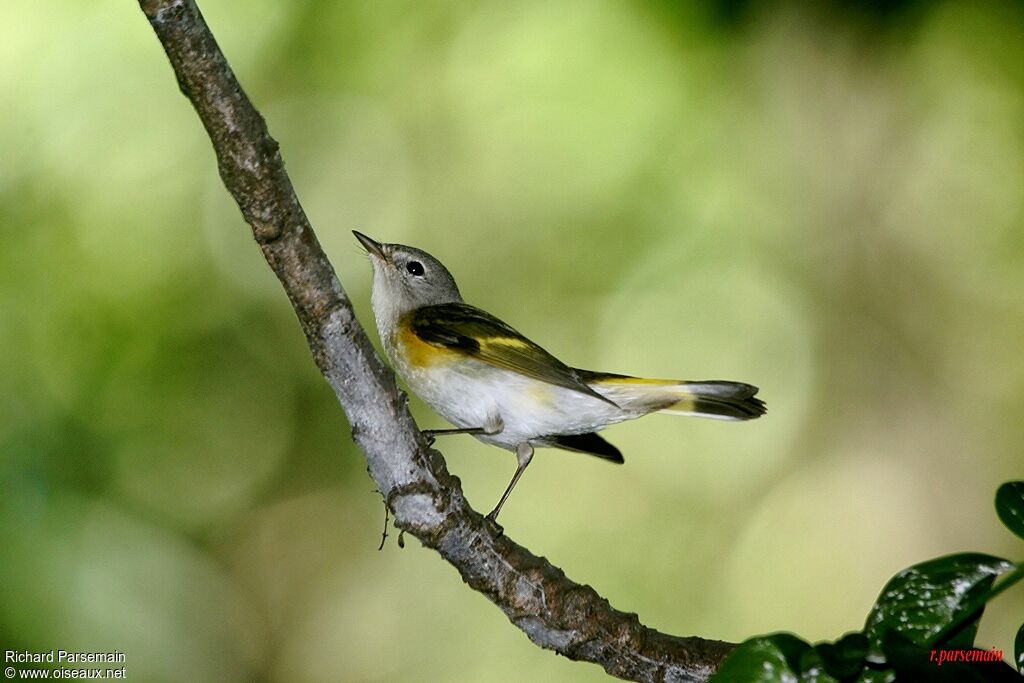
(492, 382)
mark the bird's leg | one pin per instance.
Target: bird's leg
(492, 427)
(524, 454)
(432, 434)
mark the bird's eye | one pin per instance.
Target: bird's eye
(414, 268)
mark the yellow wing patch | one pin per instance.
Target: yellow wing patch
(511, 342)
(472, 333)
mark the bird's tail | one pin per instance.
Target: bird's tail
(717, 399)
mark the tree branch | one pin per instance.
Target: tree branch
(555, 612)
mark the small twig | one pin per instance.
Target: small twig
(387, 518)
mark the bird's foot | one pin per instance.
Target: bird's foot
(491, 520)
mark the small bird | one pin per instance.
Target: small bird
(490, 381)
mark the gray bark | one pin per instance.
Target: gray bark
(554, 612)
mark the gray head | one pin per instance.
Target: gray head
(406, 278)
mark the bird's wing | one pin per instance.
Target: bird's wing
(477, 334)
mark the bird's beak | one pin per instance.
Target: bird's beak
(372, 247)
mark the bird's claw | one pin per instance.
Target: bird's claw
(492, 520)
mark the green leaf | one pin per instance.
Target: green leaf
(877, 676)
(766, 659)
(812, 668)
(1018, 650)
(972, 608)
(1010, 506)
(911, 662)
(844, 659)
(921, 600)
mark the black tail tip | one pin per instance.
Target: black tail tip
(729, 400)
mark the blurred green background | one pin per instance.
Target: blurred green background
(826, 200)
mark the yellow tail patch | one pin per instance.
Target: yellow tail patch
(604, 381)
(684, 406)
